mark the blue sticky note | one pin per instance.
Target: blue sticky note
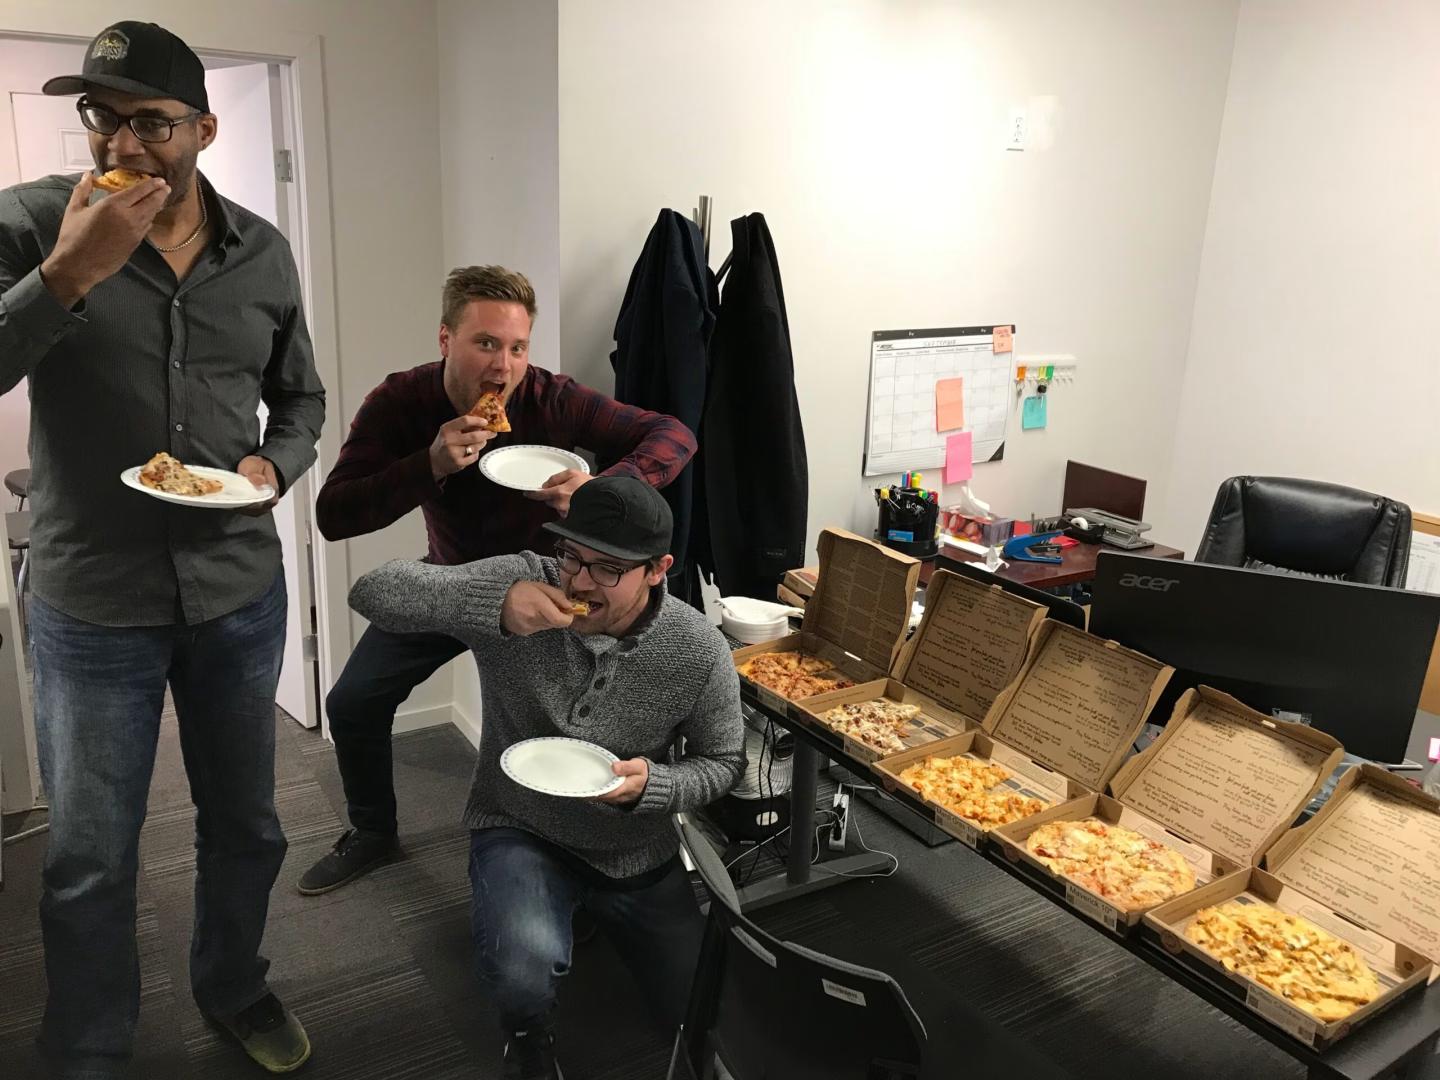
(1032, 415)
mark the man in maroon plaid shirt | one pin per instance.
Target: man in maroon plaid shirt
(412, 444)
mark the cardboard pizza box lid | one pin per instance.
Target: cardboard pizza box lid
(1227, 777)
(1372, 854)
(863, 597)
(970, 645)
(1078, 703)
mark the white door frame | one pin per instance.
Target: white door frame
(300, 57)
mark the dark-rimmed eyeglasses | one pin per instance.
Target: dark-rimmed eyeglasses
(606, 575)
(104, 120)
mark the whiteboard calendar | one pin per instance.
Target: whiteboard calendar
(904, 366)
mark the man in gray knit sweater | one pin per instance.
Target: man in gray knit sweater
(638, 671)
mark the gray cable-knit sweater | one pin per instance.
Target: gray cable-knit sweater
(632, 696)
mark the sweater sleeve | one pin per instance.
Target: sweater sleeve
(463, 601)
(714, 749)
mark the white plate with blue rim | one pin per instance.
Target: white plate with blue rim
(554, 765)
(235, 492)
(526, 468)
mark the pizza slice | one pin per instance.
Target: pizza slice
(120, 179)
(163, 473)
(490, 410)
(579, 608)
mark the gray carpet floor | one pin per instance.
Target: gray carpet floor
(380, 971)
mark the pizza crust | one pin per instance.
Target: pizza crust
(120, 179)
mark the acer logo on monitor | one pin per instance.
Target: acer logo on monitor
(1145, 581)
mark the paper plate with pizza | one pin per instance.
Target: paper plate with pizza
(162, 477)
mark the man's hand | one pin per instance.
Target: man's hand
(95, 241)
(636, 772)
(457, 444)
(557, 490)
(533, 606)
(260, 472)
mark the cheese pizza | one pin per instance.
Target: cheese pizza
(1310, 968)
(120, 179)
(490, 410)
(971, 789)
(163, 473)
(794, 675)
(1127, 870)
(880, 724)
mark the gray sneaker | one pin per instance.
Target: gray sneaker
(353, 854)
(270, 1034)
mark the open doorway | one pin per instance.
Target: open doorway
(252, 164)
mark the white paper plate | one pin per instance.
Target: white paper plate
(572, 768)
(237, 492)
(526, 468)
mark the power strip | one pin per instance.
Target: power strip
(840, 827)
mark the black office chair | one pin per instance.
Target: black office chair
(1310, 528)
(767, 1008)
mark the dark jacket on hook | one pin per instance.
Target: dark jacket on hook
(752, 511)
(661, 338)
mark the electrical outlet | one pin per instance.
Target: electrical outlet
(1018, 130)
(840, 827)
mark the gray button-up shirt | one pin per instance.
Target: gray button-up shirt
(145, 363)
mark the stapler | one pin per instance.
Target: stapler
(1018, 548)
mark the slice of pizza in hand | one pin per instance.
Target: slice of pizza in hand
(163, 473)
(120, 179)
(490, 410)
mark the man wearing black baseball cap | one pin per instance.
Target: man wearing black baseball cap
(582, 645)
(156, 317)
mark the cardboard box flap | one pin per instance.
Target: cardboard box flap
(1078, 703)
(863, 598)
(1372, 854)
(1227, 777)
(971, 643)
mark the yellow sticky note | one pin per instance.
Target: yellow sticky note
(949, 404)
(1004, 339)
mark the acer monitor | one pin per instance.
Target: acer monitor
(1348, 659)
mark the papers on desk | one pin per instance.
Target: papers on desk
(1423, 574)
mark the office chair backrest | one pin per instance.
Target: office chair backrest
(707, 862)
(1308, 527)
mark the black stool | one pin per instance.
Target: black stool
(17, 528)
(18, 484)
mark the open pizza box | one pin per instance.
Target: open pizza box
(1062, 726)
(1220, 785)
(969, 646)
(1364, 869)
(857, 618)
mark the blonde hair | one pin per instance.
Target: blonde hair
(466, 283)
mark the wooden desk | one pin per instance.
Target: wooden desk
(1076, 564)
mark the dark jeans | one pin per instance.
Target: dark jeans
(523, 896)
(381, 672)
(99, 692)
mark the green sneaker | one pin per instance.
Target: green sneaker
(270, 1034)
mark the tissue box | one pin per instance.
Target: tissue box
(978, 530)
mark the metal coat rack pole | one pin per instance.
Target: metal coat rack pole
(701, 216)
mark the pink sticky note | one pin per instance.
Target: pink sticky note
(959, 450)
(1004, 339)
(949, 404)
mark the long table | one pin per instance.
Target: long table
(1399, 1043)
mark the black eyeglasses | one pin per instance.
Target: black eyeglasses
(606, 575)
(104, 120)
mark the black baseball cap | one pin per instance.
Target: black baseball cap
(139, 58)
(620, 516)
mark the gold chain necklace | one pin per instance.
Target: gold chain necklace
(204, 217)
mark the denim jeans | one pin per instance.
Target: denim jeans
(523, 898)
(381, 672)
(99, 691)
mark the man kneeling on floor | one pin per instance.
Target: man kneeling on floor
(633, 673)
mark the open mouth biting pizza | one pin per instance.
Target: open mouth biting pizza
(967, 788)
(1311, 969)
(163, 473)
(120, 179)
(490, 411)
(1125, 869)
(794, 675)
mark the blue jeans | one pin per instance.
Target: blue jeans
(523, 897)
(99, 691)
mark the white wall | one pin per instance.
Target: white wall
(1316, 342)
(871, 136)
(499, 176)
(382, 139)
